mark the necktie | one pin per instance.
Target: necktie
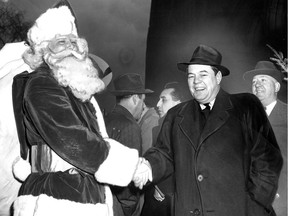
(206, 111)
(204, 116)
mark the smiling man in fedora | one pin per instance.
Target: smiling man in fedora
(266, 83)
(225, 162)
(122, 125)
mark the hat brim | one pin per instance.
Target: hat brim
(248, 76)
(129, 92)
(183, 66)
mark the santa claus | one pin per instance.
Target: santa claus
(60, 126)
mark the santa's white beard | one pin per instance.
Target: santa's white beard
(78, 74)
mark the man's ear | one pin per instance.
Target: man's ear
(135, 98)
(277, 86)
(219, 77)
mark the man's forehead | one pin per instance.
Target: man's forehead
(260, 76)
(166, 92)
(198, 68)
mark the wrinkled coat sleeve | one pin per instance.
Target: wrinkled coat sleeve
(53, 117)
(265, 156)
(161, 155)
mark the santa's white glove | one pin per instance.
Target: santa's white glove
(143, 173)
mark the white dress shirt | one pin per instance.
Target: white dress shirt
(270, 107)
(211, 104)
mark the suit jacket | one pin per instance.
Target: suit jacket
(147, 123)
(231, 168)
(278, 120)
(122, 126)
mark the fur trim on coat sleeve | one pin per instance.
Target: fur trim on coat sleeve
(44, 205)
(119, 166)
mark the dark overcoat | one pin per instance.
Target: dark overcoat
(122, 127)
(231, 168)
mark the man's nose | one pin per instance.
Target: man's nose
(70, 44)
(197, 79)
(158, 104)
(258, 83)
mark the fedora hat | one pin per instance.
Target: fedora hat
(129, 83)
(205, 55)
(264, 68)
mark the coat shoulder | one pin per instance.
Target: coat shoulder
(245, 101)
(181, 106)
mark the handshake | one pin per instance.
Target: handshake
(143, 173)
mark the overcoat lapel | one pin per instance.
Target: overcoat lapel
(190, 119)
(189, 122)
(217, 117)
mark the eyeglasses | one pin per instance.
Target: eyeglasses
(62, 43)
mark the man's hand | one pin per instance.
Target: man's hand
(158, 195)
(143, 173)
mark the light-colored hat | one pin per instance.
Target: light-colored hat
(264, 68)
(59, 19)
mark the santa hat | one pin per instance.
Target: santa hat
(59, 19)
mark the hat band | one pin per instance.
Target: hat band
(130, 89)
(204, 60)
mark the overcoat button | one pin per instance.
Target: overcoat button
(200, 178)
(196, 212)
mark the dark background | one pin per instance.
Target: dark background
(239, 29)
(150, 37)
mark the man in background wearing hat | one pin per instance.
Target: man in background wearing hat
(122, 125)
(60, 127)
(266, 83)
(220, 147)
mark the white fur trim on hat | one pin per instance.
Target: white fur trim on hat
(54, 21)
(119, 166)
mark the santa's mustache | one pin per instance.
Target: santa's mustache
(57, 57)
(54, 59)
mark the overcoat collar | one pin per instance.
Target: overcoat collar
(123, 111)
(189, 115)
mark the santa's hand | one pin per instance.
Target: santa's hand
(143, 173)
